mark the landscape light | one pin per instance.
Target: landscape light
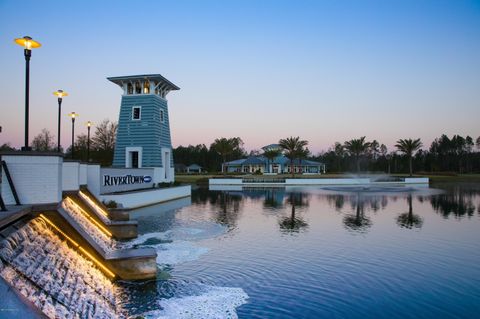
(60, 94)
(28, 43)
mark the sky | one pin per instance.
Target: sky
(326, 71)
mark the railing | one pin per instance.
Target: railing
(3, 208)
(10, 182)
(263, 180)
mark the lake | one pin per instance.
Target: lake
(312, 253)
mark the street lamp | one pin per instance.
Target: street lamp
(89, 124)
(60, 94)
(73, 115)
(28, 43)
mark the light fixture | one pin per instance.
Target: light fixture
(28, 43)
(73, 115)
(60, 94)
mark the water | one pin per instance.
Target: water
(336, 254)
(60, 282)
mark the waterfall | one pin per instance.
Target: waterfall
(100, 237)
(100, 212)
(57, 279)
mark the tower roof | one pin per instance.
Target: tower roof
(119, 80)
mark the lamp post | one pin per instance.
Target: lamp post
(28, 43)
(73, 115)
(60, 94)
(89, 124)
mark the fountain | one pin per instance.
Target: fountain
(54, 277)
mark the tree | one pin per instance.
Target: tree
(303, 153)
(44, 142)
(374, 149)
(408, 147)
(6, 147)
(103, 142)
(226, 146)
(357, 148)
(339, 151)
(81, 145)
(293, 148)
(271, 154)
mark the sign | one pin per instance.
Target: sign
(114, 180)
(109, 180)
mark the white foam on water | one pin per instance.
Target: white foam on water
(213, 303)
(178, 252)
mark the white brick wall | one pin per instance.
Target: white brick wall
(71, 176)
(93, 179)
(83, 174)
(148, 197)
(37, 179)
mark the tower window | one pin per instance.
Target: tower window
(162, 118)
(129, 88)
(138, 88)
(136, 113)
(146, 87)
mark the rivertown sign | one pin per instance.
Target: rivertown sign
(109, 180)
(114, 180)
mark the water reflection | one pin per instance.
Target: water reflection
(357, 222)
(458, 201)
(294, 223)
(274, 198)
(228, 207)
(409, 219)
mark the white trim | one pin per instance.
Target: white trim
(128, 160)
(140, 113)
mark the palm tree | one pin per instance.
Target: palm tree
(270, 154)
(339, 154)
(293, 147)
(226, 146)
(408, 147)
(303, 154)
(357, 148)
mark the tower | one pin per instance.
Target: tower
(143, 134)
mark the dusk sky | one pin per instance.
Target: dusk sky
(262, 70)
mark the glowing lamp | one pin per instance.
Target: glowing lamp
(60, 93)
(28, 43)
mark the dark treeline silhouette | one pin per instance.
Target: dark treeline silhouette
(456, 154)
(211, 158)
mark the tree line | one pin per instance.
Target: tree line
(457, 155)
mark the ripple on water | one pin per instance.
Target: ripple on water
(211, 303)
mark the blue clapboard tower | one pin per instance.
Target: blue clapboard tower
(143, 135)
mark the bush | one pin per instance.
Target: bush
(111, 204)
(258, 172)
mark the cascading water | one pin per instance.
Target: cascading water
(100, 212)
(102, 239)
(58, 280)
